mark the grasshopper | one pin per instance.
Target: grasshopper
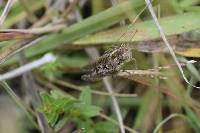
(109, 63)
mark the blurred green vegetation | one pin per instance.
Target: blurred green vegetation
(70, 104)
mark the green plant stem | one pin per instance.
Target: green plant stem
(18, 102)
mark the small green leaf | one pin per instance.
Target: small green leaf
(105, 127)
(55, 104)
(85, 126)
(52, 118)
(90, 110)
(85, 96)
(60, 124)
(45, 97)
(57, 94)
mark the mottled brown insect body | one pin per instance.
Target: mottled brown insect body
(109, 63)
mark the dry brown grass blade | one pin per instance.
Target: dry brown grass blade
(6, 36)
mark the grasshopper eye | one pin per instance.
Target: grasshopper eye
(85, 77)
